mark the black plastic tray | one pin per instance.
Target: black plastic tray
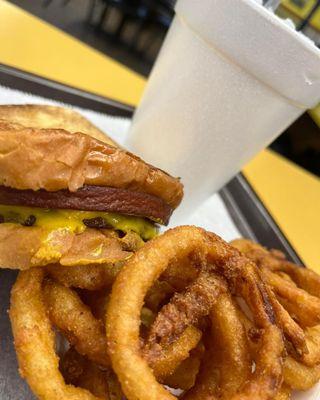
(246, 209)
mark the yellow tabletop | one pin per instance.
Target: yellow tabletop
(35, 46)
(291, 195)
(315, 114)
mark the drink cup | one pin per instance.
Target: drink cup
(230, 77)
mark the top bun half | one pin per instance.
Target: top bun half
(55, 159)
(52, 117)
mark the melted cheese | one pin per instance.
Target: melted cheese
(72, 220)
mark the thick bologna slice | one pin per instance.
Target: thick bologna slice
(92, 198)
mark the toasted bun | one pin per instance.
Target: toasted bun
(51, 117)
(25, 247)
(54, 159)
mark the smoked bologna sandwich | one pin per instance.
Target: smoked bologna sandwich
(68, 195)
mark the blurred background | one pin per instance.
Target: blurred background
(132, 31)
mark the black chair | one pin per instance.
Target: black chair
(46, 3)
(148, 20)
(130, 10)
(157, 22)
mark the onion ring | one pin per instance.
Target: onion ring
(34, 341)
(170, 358)
(185, 309)
(75, 320)
(95, 380)
(226, 365)
(230, 346)
(300, 372)
(184, 376)
(81, 372)
(299, 376)
(307, 307)
(305, 278)
(139, 274)
(296, 375)
(90, 277)
(296, 301)
(284, 393)
(276, 261)
(72, 365)
(207, 381)
(290, 328)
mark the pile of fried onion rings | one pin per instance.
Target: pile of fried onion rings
(188, 316)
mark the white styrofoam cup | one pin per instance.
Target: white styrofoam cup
(230, 77)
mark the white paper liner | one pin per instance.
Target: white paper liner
(211, 215)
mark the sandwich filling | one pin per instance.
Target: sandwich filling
(68, 198)
(94, 207)
(92, 198)
(76, 221)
